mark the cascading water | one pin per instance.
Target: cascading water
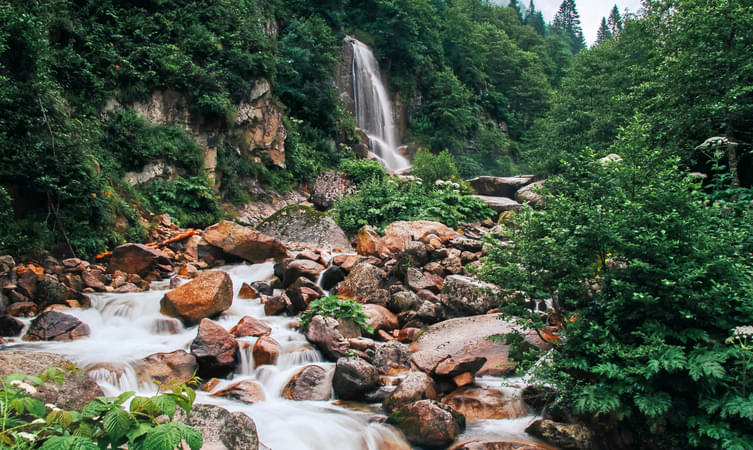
(373, 108)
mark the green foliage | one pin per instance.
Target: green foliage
(338, 308)
(361, 171)
(649, 281)
(523, 354)
(191, 202)
(430, 168)
(103, 423)
(381, 203)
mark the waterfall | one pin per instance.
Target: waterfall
(373, 109)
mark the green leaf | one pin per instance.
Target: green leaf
(116, 423)
(94, 408)
(84, 430)
(35, 407)
(123, 397)
(653, 405)
(162, 437)
(139, 430)
(69, 443)
(164, 404)
(191, 435)
(60, 417)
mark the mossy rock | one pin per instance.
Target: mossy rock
(305, 225)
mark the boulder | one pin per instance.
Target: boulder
(366, 283)
(324, 332)
(247, 292)
(428, 423)
(414, 387)
(277, 305)
(528, 194)
(205, 296)
(417, 280)
(76, 391)
(247, 391)
(22, 309)
(52, 292)
(250, 326)
(404, 301)
(502, 445)
(215, 350)
(500, 204)
(221, 428)
(178, 366)
(414, 254)
(480, 403)
(498, 186)
(468, 337)
(262, 287)
(466, 244)
(331, 276)
(56, 326)
(369, 243)
(380, 318)
(354, 377)
(330, 187)
(465, 296)
(312, 382)
(244, 242)
(10, 326)
(135, 258)
(304, 225)
(458, 364)
(565, 436)
(301, 293)
(391, 357)
(295, 268)
(266, 351)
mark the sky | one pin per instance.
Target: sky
(591, 12)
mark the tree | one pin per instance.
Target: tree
(567, 22)
(514, 5)
(615, 21)
(604, 32)
(535, 19)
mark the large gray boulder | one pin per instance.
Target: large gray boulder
(354, 378)
(222, 429)
(500, 204)
(329, 187)
(499, 186)
(305, 225)
(428, 423)
(465, 296)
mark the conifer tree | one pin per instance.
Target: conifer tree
(535, 19)
(514, 5)
(567, 22)
(604, 32)
(615, 21)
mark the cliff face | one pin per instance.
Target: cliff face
(344, 76)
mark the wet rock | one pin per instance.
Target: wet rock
(353, 378)
(263, 287)
(215, 350)
(562, 435)
(56, 326)
(22, 309)
(528, 193)
(244, 242)
(417, 280)
(329, 187)
(414, 254)
(277, 305)
(369, 243)
(404, 301)
(498, 186)
(312, 382)
(135, 258)
(76, 391)
(221, 428)
(205, 296)
(10, 326)
(366, 283)
(331, 276)
(51, 292)
(250, 326)
(391, 357)
(247, 391)
(502, 445)
(347, 261)
(266, 351)
(465, 296)
(305, 225)
(94, 279)
(456, 365)
(247, 292)
(295, 268)
(302, 293)
(428, 423)
(380, 318)
(324, 332)
(178, 366)
(480, 403)
(414, 387)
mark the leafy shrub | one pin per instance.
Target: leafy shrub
(102, 423)
(362, 170)
(338, 308)
(650, 283)
(191, 202)
(431, 168)
(381, 203)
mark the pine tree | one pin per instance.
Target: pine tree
(567, 22)
(604, 32)
(615, 21)
(514, 5)
(535, 19)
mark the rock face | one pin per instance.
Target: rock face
(414, 387)
(354, 378)
(76, 391)
(244, 242)
(468, 337)
(577, 437)
(428, 423)
(135, 258)
(312, 382)
(365, 284)
(221, 428)
(528, 194)
(479, 403)
(215, 350)
(305, 225)
(325, 333)
(205, 296)
(176, 366)
(330, 187)
(56, 326)
(500, 204)
(247, 391)
(399, 234)
(498, 186)
(464, 296)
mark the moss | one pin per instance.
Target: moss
(309, 215)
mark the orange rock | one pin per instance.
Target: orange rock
(244, 242)
(247, 292)
(463, 379)
(266, 351)
(206, 295)
(368, 242)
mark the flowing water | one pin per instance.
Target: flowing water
(374, 109)
(128, 327)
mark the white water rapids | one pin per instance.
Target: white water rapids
(129, 327)
(374, 109)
